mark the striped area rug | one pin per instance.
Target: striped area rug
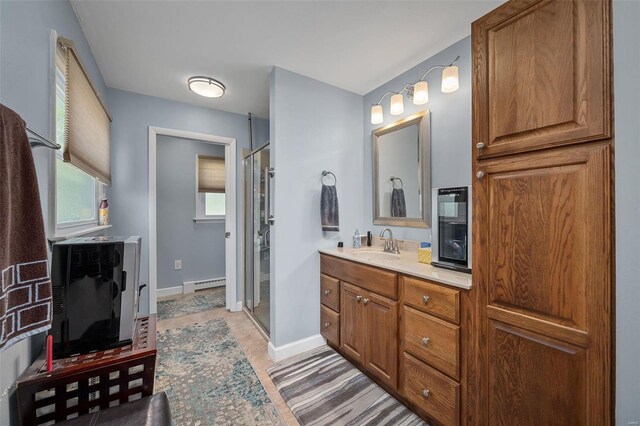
(322, 388)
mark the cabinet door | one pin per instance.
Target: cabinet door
(381, 355)
(542, 272)
(352, 322)
(541, 75)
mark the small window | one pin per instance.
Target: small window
(210, 188)
(214, 204)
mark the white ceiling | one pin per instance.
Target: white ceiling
(152, 47)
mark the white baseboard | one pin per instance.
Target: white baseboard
(294, 348)
(169, 291)
(238, 307)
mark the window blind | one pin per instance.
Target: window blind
(87, 143)
(211, 174)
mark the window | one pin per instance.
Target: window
(210, 188)
(214, 204)
(77, 193)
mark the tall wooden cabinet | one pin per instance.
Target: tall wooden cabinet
(542, 347)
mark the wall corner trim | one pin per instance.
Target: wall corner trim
(294, 348)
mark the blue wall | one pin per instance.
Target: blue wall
(129, 195)
(315, 127)
(200, 246)
(626, 79)
(450, 128)
(25, 86)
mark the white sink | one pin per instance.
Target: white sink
(375, 255)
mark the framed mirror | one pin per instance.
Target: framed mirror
(402, 172)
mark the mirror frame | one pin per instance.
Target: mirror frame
(423, 120)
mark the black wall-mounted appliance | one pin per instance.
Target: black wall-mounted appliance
(95, 293)
(451, 230)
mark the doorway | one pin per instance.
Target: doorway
(230, 216)
(257, 231)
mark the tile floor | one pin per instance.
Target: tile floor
(252, 343)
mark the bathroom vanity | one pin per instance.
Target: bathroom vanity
(400, 322)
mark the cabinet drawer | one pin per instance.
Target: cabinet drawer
(432, 299)
(431, 391)
(330, 292)
(330, 325)
(432, 340)
(379, 281)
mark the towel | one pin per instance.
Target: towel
(25, 287)
(398, 204)
(329, 213)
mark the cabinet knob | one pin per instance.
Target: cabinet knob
(425, 299)
(366, 300)
(479, 174)
(426, 393)
(425, 341)
(480, 145)
(326, 292)
(358, 298)
(326, 324)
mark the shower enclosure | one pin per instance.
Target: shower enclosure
(257, 223)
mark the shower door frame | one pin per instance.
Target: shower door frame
(250, 315)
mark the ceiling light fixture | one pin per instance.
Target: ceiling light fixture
(206, 86)
(418, 91)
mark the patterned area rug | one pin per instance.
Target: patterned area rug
(202, 300)
(208, 379)
(323, 388)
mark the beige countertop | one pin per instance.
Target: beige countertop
(406, 263)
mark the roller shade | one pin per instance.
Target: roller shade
(87, 142)
(211, 174)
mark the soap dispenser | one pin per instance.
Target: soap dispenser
(357, 242)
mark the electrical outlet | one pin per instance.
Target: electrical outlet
(177, 264)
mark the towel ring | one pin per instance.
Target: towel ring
(325, 173)
(393, 180)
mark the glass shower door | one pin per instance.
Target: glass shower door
(257, 235)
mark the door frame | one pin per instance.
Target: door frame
(231, 272)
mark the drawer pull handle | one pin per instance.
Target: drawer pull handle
(426, 393)
(425, 341)
(425, 299)
(480, 145)
(479, 174)
(358, 298)
(366, 300)
(327, 324)
(326, 292)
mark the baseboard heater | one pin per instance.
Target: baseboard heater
(192, 286)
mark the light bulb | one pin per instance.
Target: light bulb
(376, 114)
(420, 93)
(450, 79)
(397, 104)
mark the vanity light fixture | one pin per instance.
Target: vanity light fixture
(376, 114)
(450, 82)
(206, 86)
(397, 104)
(418, 91)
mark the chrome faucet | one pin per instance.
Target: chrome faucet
(390, 244)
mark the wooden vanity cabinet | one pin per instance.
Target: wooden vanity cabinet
(411, 344)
